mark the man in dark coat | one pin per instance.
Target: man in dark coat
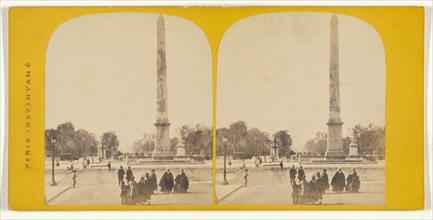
(153, 181)
(128, 174)
(292, 175)
(181, 182)
(325, 180)
(167, 182)
(338, 181)
(352, 182)
(314, 193)
(301, 173)
(120, 175)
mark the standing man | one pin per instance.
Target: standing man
(281, 165)
(338, 181)
(153, 181)
(72, 165)
(120, 175)
(292, 175)
(128, 174)
(246, 177)
(167, 182)
(109, 166)
(325, 180)
(301, 173)
(244, 165)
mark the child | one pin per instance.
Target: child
(74, 178)
(246, 177)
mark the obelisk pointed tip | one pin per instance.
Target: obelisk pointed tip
(334, 17)
(160, 18)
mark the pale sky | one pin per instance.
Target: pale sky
(273, 73)
(101, 75)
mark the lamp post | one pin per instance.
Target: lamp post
(53, 142)
(225, 157)
(255, 140)
(84, 153)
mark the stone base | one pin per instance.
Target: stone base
(162, 155)
(173, 161)
(335, 155)
(339, 161)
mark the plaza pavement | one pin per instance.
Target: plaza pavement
(271, 186)
(98, 186)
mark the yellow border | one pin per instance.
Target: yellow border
(402, 32)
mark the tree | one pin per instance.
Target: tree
(237, 131)
(110, 142)
(318, 144)
(256, 141)
(197, 140)
(146, 144)
(284, 141)
(369, 140)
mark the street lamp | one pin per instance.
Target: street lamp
(84, 152)
(255, 140)
(53, 144)
(225, 157)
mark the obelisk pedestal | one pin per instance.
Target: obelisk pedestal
(162, 137)
(335, 137)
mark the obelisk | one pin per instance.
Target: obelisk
(335, 137)
(162, 137)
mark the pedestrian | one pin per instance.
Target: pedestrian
(120, 175)
(167, 182)
(292, 175)
(57, 163)
(244, 165)
(128, 174)
(301, 173)
(281, 165)
(88, 162)
(338, 181)
(74, 178)
(141, 198)
(315, 195)
(352, 182)
(153, 181)
(109, 166)
(303, 197)
(124, 193)
(181, 182)
(72, 165)
(148, 190)
(296, 190)
(132, 192)
(230, 165)
(246, 177)
(325, 180)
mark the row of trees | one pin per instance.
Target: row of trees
(368, 139)
(251, 141)
(78, 142)
(197, 140)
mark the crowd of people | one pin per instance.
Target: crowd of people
(133, 193)
(304, 192)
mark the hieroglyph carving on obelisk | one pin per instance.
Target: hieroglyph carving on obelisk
(335, 137)
(162, 137)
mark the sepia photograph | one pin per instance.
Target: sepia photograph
(301, 111)
(128, 112)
